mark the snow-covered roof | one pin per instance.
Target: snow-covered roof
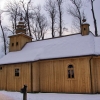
(69, 46)
(85, 23)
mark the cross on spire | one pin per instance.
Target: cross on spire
(21, 18)
(84, 19)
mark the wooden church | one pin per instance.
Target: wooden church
(69, 64)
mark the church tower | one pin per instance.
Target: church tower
(85, 27)
(18, 41)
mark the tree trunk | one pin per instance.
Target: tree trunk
(28, 22)
(4, 40)
(80, 18)
(52, 28)
(95, 23)
(60, 24)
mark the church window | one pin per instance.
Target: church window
(0, 68)
(17, 72)
(70, 71)
(12, 44)
(16, 43)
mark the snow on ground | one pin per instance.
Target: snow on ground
(51, 96)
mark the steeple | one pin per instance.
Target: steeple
(21, 27)
(18, 41)
(84, 27)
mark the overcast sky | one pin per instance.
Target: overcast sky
(68, 18)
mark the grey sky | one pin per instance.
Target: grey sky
(68, 19)
(88, 14)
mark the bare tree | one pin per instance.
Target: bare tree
(76, 12)
(40, 24)
(93, 14)
(26, 8)
(4, 39)
(59, 6)
(13, 9)
(75, 27)
(50, 7)
(17, 9)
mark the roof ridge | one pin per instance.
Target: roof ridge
(56, 37)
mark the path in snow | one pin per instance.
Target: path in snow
(5, 97)
(50, 96)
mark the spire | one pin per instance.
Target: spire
(21, 28)
(21, 18)
(84, 19)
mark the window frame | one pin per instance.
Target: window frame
(12, 44)
(84, 29)
(16, 43)
(70, 71)
(17, 74)
(0, 68)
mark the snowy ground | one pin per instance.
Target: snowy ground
(51, 96)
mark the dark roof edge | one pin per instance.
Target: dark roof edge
(52, 59)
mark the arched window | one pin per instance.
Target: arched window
(70, 71)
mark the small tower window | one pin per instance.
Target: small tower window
(70, 71)
(84, 29)
(17, 72)
(12, 44)
(0, 68)
(16, 43)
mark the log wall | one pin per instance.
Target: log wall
(54, 76)
(96, 74)
(35, 77)
(15, 83)
(21, 39)
(3, 78)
